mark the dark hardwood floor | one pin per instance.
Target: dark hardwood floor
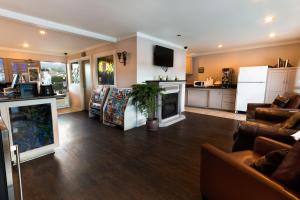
(96, 162)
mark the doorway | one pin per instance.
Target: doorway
(87, 82)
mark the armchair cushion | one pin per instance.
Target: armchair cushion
(291, 122)
(288, 171)
(268, 163)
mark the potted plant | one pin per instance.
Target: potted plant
(144, 96)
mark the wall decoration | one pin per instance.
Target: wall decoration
(105, 68)
(31, 126)
(200, 70)
(33, 74)
(75, 73)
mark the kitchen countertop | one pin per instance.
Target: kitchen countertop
(157, 81)
(211, 87)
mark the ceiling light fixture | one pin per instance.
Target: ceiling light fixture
(269, 19)
(220, 45)
(42, 32)
(272, 35)
(25, 45)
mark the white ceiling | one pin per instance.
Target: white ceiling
(203, 23)
(14, 34)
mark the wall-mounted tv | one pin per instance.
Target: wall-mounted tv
(163, 57)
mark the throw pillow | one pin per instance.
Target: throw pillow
(292, 121)
(268, 164)
(280, 102)
(288, 172)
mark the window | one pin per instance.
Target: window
(2, 74)
(58, 72)
(75, 73)
(105, 68)
(21, 67)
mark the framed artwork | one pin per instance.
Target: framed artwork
(75, 73)
(33, 74)
(105, 69)
(200, 70)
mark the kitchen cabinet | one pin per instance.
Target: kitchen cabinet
(281, 81)
(215, 99)
(189, 65)
(197, 98)
(228, 99)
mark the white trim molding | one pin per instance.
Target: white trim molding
(158, 40)
(54, 25)
(31, 51)
(245, 48)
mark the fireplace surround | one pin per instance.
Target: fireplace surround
(170, 102)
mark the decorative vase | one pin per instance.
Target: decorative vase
(152, 124)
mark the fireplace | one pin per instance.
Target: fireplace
(169, 107)
(171, 103)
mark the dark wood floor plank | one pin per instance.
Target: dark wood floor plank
(96, 162)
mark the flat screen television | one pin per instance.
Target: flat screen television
(163, 56)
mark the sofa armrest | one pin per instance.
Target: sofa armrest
(265, 145)
(247, 132)
(251, 107)
(223, 177)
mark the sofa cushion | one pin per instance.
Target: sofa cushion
(280, 102)
(291, 122)
(268, 164)
(294, 102)
(288, 172)
(275, 115)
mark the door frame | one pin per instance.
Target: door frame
(79, 60)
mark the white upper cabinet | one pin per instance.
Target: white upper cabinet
(293, 81)
(281, 81)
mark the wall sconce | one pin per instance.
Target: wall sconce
(122, 56)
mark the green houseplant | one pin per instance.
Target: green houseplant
(144, 96)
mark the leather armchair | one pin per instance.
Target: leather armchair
(228, 176)
(247, 131)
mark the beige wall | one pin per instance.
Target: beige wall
(213, 64)
(125, 76)
(145, 68)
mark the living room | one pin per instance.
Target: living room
(149, 100)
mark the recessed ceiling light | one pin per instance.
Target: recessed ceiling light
(272, 35)
(42, 32)
(220, 45)
(269, 19)
(25, 45)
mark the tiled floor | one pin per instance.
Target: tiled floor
(217, 113)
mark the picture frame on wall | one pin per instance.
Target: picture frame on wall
(200, 70)
(33, 74)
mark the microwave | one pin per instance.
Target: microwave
(198, 83)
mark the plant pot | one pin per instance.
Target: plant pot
(152, 124)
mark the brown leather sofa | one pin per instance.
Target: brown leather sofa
(228, 176)
(263, 120)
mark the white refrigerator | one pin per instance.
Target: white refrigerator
(251, 86)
